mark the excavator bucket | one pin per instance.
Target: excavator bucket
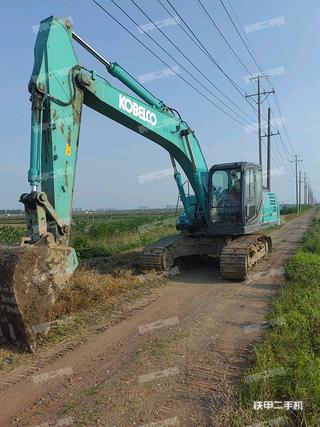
(31, 278)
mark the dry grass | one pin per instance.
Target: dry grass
(88, 288)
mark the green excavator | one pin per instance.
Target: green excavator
(225, 215)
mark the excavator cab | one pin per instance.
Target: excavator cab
(235, 198)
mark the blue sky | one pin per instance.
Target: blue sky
(112, 158)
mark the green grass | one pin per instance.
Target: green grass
(105, 234)
(288, 210)
(293, 346)
(10, 234)
(110, 236)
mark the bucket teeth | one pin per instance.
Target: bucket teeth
(31, 279)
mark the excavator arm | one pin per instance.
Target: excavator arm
(59, 87)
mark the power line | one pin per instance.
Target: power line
(260, 126)
(283, 123)
(177, 62)
(202, 50)
(276, 160)
(182, 28)
(164, 62)
(250, 50)
(235, 85)
(259, 66)
(296, 161)
(188, 59)
(212, 22)
(255, 59)
(259, 103)
(281, 140)
(179, 15)
(253, 55)
(215, 26)
(287, 154)
(168, 11)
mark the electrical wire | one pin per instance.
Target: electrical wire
(188, 59)
(160, 59)
(215, 26)
(283, 123)
(203, 51)
(285, 150)
(199, 44)
(234, 84)
(257, 62)
(274, 149)
(238, 32)
(178, 63)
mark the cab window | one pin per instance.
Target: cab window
(226, 196)
(253, 193)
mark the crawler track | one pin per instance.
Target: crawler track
(162, 254)
(242, 254)
(237, 256)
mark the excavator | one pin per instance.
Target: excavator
(224, 217)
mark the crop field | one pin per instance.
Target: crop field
(103, 234)
(96, 234)
(100, 234)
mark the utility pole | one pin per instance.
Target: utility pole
(311, 197)
(269, 151)
(259, 102)
(305, 189)
(300, 182)
(268, 136)
(296, 161)
(310, 193)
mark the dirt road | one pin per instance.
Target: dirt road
(169, 362)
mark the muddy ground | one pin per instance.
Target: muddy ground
(168, 356)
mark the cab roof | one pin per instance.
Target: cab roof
(235, 165)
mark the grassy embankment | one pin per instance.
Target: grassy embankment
(286, 365)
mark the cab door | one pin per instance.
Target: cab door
(252, 194)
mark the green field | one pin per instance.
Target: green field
(108, 233)
(103, 234)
